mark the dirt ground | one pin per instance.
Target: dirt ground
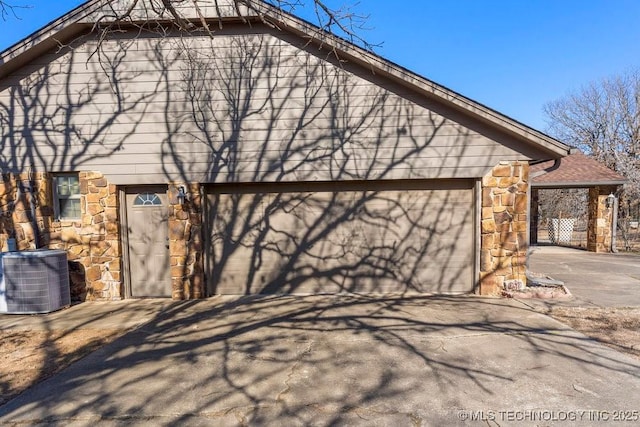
(28, 357)
(618, 328)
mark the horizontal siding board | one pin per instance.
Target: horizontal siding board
(135, 85)
(267, 122)
(141, 174)
(139, 85)
(143, 11)
(139, 89)
(370, 172)
(137, 147)
(382, 115)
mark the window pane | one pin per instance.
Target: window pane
(70, 208)
(63, 186)
(74, 185)
(67, 185)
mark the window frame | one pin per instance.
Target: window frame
(144, 203)
(57, 210)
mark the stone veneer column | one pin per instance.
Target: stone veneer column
(600, 219)
(503, 253)
(185, 243)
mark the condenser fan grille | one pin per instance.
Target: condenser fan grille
(35, 281)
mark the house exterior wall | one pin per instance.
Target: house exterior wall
(92, 242)
(245, 106)
(504, 243)
(145, 9)
(233, 108)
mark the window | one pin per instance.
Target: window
(66, 195)
(147, 199)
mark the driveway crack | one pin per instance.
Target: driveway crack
(287, 383)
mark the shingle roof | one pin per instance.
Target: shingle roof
(575, 170)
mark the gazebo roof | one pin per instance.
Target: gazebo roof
(574, 171)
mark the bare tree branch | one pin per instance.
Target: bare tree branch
(347, 22)
(190, 16)
(8, 10)
(603, 120)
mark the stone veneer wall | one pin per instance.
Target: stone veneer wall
(503, 253)
(185, 243)
(15, 209)
(92, 242)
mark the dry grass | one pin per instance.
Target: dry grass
(28, 357)
(618, 328)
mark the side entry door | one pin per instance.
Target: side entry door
(148, 242)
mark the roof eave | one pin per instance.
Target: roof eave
(49, 30)
(577, 184)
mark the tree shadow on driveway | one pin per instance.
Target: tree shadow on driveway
(332, 360)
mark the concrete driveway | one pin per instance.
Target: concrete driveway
(337, 360)
(597, 280)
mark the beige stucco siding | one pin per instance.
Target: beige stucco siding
(232, 108)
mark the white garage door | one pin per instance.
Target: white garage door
(383, 237)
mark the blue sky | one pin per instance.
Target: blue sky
(511, 55)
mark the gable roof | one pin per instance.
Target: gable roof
(575, 170)
(83, 19)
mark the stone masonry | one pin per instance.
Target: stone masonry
(16, 219)
(185, 243)
(94, 241)
(503, 253)
(600, 219)
(91, 242)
